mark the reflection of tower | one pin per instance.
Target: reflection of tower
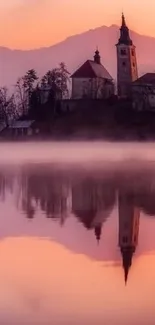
(128, 229)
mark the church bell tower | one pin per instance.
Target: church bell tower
(127, 71)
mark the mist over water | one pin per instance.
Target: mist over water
(75, 152)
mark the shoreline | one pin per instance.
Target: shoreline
(90, 138)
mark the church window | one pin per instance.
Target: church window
(133, 64)
(123, 52)
(132, 52)
(124, 64)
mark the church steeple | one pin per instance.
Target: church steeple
(127, 71)
(123, 20)
(124, 33)
(97, 57)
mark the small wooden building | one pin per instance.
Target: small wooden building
(22, 128)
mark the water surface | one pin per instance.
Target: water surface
(77, 232)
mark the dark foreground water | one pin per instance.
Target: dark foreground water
(77, 235)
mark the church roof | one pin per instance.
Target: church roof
(148, 78)
(91, 69)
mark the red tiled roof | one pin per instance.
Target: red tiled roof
(91, 69)
(148, 78)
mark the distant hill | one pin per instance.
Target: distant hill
(73, 51)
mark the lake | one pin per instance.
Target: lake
(77, 233)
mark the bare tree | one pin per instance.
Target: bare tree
(24, 88)
(21, 97)
(8, 110)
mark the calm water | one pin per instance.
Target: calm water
(77, 230)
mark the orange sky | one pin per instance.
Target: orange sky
(34, 23)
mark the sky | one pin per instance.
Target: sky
(28, 24)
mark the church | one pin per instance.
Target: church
(93, 81)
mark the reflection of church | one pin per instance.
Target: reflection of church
(128, 229)
(92, 203)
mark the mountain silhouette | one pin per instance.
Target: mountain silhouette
(74, 51)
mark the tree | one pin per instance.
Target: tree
(35, 106)
(29, 81)
(28, 96)
(8, 110)
(57, 79)
(21, 97)
(24, 89)
(63, 79)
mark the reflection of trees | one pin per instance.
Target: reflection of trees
(92, 199)
(6, 184)
(28, 187)
(49, 193)
(146, 201)
(92, 202)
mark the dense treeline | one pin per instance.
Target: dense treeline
(33, 97)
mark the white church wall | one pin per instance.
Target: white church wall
(91, 88)
(81, 88)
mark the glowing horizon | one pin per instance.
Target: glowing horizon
(33, 286)
(30, 23)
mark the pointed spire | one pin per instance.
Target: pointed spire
(124, 33)
(98, 231)
(126, 272)
(97, 57)
(123, 20)
(127, 254)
